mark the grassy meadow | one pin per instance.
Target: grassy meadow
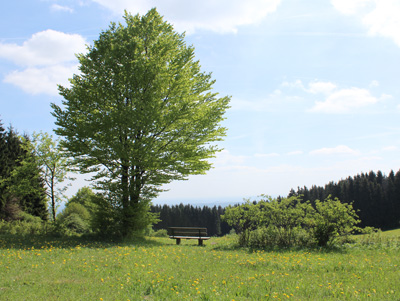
(34, 268)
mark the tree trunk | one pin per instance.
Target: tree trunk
(53, 200)
(136, 184)
(126, 219)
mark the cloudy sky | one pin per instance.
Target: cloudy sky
(315, 84)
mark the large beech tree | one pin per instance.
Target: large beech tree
(140, 114)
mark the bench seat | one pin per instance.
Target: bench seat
(179, 233)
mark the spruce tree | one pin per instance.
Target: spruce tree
(21, 187)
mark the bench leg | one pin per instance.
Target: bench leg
(200, 242)
(178, 241)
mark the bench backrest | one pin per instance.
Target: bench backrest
(187, 231)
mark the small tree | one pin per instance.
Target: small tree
(54, 165)
(87, 198)
(243, 218)
(333, 219)
(75, 217)
(140, 114)
(85, 205)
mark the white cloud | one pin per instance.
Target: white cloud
(345, 101)
(46, 59)
(321, 87)
(297, 84)
(340, 149)
(314, 87)
(336, 100)
(41, 80)
(44, 48)
(220, 16)
(381, 17)
(60, 8)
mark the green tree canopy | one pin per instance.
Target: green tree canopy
(86, 197)
(140, 114)
(54, 165)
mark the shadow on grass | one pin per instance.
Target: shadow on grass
(10, 241)
(23, 242)
(233, 244)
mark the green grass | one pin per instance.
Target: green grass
(392, 233)
(156, 269)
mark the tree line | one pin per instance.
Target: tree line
(375, 197)
(189, 216)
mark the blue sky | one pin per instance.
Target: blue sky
(314, 84)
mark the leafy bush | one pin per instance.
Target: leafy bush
(269, 222)
(30, 218)
(333, 219)
(263, 237)
(75, 223)
(291, 222)
(74, 208)
(105, 218)
(74, 217)
(271, 237)
(22, 228)
(161, 233)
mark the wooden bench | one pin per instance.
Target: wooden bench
(179, 233)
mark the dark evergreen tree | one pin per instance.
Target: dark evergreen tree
(379, 177)
(20, 183)
(396, 202)
(189, 216)
(375, 197)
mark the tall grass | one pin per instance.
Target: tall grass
(41, 268)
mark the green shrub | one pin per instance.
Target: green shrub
(74, 208)
(333, 219)
(271, 236)
(75, 223)
(30, 218)
(291, 222)
(105, 219)
(22, 227)
(75, 217)
(263, 237)
(161, 233)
